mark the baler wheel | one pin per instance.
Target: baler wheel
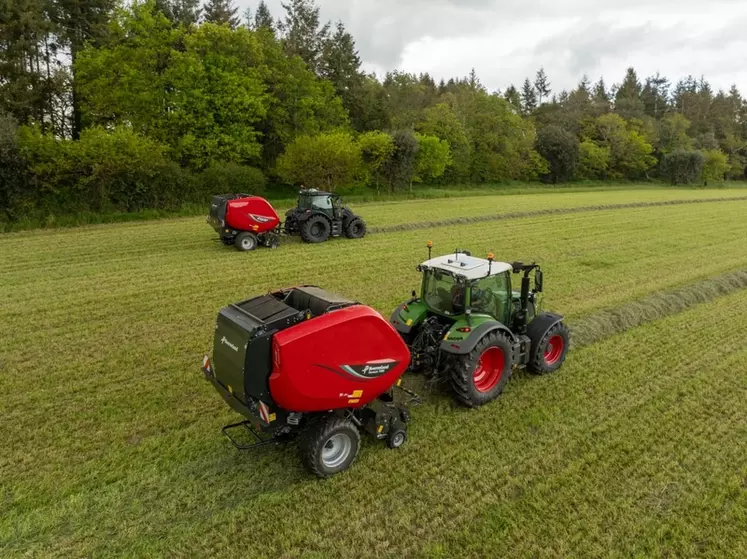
(316, 229)
(329, 446)
(480, 376)
(397, 436)
(246, 241)
(551, 351)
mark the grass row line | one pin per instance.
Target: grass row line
(594, 328)
(546, 211)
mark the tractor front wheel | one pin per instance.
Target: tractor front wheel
(551, 351)
(246, 241)
(329, 446)
(480, 376)
(356, 229)
(316, 229)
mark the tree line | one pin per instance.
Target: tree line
(108, 106)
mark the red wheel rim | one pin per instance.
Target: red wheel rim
(489, 369)
(554, 349)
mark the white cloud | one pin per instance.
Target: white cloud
(507, 40)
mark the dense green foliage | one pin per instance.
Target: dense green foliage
(213, 89)
(222, 177)
(682, 167)
(399, 169)
(715, 166)
(561, 150)
(434, 155)
(105, 170)
(13, 171)
(329, 161)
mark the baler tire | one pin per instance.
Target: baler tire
(319, 434)
(356, 228)
(307, 229)
(463, 370)
(551, 351)
(397, 436)
(246, 241)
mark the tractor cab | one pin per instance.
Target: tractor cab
(460, 284)
(314, 200)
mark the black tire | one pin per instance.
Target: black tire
(473, 387)
(550, 356)
(318, 441)
(397, 435)
(356, 229)
(316, 229)
(271, 240)
(246, 241)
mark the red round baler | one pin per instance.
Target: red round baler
(307, 362)
(244, 221)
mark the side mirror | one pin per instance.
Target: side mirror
(538, 281)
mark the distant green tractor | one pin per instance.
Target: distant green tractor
(319, 215)
(469, 327)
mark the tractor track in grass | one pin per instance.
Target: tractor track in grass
(548, 211)
(596, 327)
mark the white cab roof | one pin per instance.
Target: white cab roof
(467, 266)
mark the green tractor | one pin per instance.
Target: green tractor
(319, 215)
(470, 328)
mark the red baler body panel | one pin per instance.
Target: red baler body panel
(343, 359)
(251, 214)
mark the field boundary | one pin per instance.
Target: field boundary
(547, 211)
(597, 327)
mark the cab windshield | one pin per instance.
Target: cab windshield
(315, 202)
(443, 292)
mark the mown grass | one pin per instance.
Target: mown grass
(112, 438)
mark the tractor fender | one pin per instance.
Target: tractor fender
(537, 329)
(347, 217)
(400, 326)
(464, 347)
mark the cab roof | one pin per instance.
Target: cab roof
(469, 267)
(314, 192)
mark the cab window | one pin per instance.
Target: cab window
(491, 296)
(322, 202)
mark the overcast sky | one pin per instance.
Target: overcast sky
(507, 40)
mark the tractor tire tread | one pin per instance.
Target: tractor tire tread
(310, 443)
(349, 228)
(461, 369)
(306, 229)
(538, 366)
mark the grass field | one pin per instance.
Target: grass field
(636, 448)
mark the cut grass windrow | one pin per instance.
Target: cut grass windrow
(546, 211)
(594, 328)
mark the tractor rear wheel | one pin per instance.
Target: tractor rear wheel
(246, 241)
(480, 376)
(329, 446)
(356, 229)
(551, 350)
(316, 229)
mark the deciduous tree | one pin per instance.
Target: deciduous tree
(329, 160)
